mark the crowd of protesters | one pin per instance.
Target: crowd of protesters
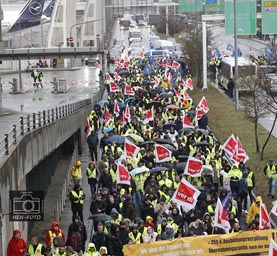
(148, 102)
(144, 211)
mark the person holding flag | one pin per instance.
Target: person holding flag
(254, 209)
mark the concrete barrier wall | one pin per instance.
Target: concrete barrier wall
(29, 151)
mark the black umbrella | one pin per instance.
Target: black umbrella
(169, 147)
(207, 170)
(167, 126)
(146, 142)
(201, 144)
(158, 169)
(116, 139)
(203, 131)
(180, 166)
(191, 112)
(164, 141)
(156, 104)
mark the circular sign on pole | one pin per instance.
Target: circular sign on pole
(71, 39)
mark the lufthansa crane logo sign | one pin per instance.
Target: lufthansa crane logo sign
(52, 5)
(35, 8)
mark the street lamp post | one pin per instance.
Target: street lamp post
(236, 57)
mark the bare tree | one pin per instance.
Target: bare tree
(255, 103)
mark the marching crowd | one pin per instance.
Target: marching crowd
(148, 129)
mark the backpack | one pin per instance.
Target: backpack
(75, 241)
(33, 74)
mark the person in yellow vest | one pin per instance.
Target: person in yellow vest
(135, 236)
(235, 175)
(250, 183)
(91, 250)
(92, 174)
(54, 232)
(60, 251)
(270, 173)
(35, 248)
(77, 197)
(76, 173)
(254, 209)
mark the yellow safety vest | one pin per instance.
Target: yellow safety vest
(77, 197)
(91, 173)
(76, 173)
(135, 239)
(31, 251)
(271, 172)
(249, 180)
(53, 235)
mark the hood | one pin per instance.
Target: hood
(91, 245)
(258, 199)
(54, 223)
(114, 211)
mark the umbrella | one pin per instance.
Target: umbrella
(103, 102)
(165, 95)
(131, 99)
(108, 129)
(201, 143)
(146, 142)
(167, 126)
(100, 217)
(203, 131)
(164, 141)
(137, 88)
(116, 139)
(172, 106)
(180, 166)
(138, 170)
(158, 169)
(136, 137)
(207, 170)
(156, 104)
(169, 147)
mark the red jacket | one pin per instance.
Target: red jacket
(59, 232)
(16, 247)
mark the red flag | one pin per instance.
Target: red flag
(240, 154)
(117, 76)
(272, 248)
(109, 77)
(187, 97)
(187, 123)
(141, 54)
(188, 83)
(123, 119)
(130, 149)
(114, 87)
(149, 116)
(203, 104)
(199, 113)
(175, 65)
(186, 195)
(193, 167)
(127, 113)
(162, 154)
(166, 71)
(128, 90)
(220, 218)
(264, 218)
(108, 116)
(230, 145)
(156, 82)
(122, 175)
(177, 93)
(116, 109)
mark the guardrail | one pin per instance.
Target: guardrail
(37, 120)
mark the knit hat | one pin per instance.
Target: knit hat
(149, 218)
(168, 226)
(15, 232)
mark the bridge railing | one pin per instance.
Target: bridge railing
(37, 120)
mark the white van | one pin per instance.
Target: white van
(134, 35)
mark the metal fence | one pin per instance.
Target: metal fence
(37, 120)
